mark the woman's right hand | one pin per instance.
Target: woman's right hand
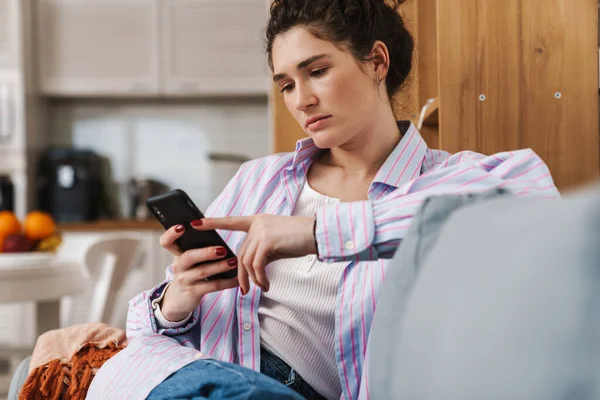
(189, 285)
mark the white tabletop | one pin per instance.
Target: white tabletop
(42, 278)
(25, 278)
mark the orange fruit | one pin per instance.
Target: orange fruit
(39, 225)
(9, 225)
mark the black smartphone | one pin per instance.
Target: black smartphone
(176, 208)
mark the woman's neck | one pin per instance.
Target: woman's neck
(367, 151)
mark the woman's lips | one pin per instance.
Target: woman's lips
(318, 124)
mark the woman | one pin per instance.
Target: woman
(347, 194)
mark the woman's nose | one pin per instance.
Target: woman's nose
(305, 98)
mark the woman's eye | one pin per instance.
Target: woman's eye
(286, 88)
(318, 72)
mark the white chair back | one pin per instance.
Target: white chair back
(108, 263)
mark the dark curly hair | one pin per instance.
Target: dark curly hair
(354, 24)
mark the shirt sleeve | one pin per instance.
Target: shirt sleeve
(161, 321)
(373, 229)
(141, 316)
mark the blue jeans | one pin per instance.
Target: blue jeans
(276, 368)
(211, 379)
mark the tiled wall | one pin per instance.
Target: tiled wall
(168, 140)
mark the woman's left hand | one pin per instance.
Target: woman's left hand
(269, 238)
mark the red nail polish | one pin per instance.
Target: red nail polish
(179, 228)
(197, 222)
(232, 262)
(220, 252)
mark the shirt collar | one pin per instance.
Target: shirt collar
(401, 166)
(404, 163)
(305, 150)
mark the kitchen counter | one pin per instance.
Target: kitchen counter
(110, 225)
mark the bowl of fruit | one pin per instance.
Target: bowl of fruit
(34, 239)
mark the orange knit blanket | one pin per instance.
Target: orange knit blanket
(58, 373)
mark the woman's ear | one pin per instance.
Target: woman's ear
(380, 60)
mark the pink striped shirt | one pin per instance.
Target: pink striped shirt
(365, 234)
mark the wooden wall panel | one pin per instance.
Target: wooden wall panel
(406, 102)
(427, 56)
(498, 75)
(427, 64)
(560, 55)
(480, 75)
(420, 19)
(520, 54)
(457, 60)
(286, 131)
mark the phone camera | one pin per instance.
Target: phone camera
(159, 214)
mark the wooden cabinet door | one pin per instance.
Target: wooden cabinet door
(98, 47)
(522, 74)
(213, 47)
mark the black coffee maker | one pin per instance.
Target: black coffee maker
(7, 194)
(70, 184)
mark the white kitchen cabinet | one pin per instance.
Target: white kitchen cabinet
(9, 33)
(134, 48)
(13, 154)
(98, 47)
(22, 115)
(12, 116)
(213, 47)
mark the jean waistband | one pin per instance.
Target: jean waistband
(293, 379)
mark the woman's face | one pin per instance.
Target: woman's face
(324, 87)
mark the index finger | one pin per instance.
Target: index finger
(226, 223)
(243, 280)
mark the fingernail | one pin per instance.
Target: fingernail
(243, 291)
(232, 262)
(179, 228)
(220, 252)
(197, 222)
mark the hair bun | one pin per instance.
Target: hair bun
(394, 4)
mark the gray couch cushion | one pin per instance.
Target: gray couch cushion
(18, 379)
(503, 304)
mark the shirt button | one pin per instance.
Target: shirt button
(310, 258)
(247, 326)
(349, 245)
